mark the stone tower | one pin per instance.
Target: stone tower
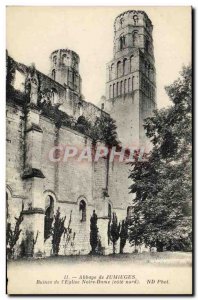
(130, 86)
(65, 69)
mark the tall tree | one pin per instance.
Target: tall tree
(114, 231)
(162, 184)
(94, 238)
(57, 231)
(123, 235)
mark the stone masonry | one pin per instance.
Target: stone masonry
(76, 188)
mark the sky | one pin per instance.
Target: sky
(34, 32)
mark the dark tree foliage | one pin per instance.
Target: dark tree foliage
(69, 235)
(123, 235)
(58, 229)
(48, 227)
(114, 231)
(12, 236)
(162, 184)
(104, 130)
(94, 233)
(83, 125)
(27, 245)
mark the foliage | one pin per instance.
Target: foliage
(12, 236)
(48, 227)
(114, 231)
(123, 235)
(162, 184)
(68, 235)
(27, 245)
(94, 238)
(57, 231)
(104, 130)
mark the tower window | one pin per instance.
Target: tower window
(119, 69)
(64, 59)
(53, 74)
(55, 60)
(82, 209)
(125, 86)
(117, 91)
(129, 84)
(121, 84)
(110, 91)
(133, 79)
(114, 90)
(122, 42)
(112, 72)
(135, 39)
(135, 19)
(125, 65)
(131, 63)
(121, 21)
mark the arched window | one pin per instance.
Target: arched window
(109, 210)
(64, 59)
(55, 60)
(133, 83)
(112, 72)
(54, 96)
(135, 39)
(117, 89)
(131, 63)
(125, 86)
(119, 69)
(53, 74)
(114, 90)
(129, 84)
(121, 87)
(135, 19)
(82, 210)
(110, 91)
(49, 215)
(125, 69)
(122, 42)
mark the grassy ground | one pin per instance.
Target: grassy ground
(160, 258)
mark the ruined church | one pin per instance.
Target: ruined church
(38, 186)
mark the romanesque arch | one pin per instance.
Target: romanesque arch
(50, 201)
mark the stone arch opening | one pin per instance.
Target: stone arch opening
(135, 39)
(82, 210)
(54, 96)
(122, 42)
(119, 68)
(53, 74)
(131, 63)
(54, 60)
(49, 215)
(125, 69)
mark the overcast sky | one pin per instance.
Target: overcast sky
(34, 32)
